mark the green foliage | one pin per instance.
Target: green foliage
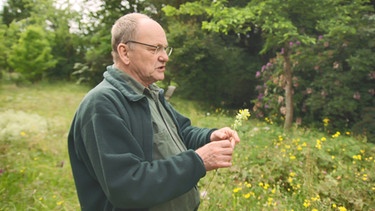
(65, 46)
(365, 127)
(31, 55)
(15, 10)
(209, 69)
(303, 170)
(327, 76)
(3, 48)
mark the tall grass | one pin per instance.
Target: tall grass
(272, 170)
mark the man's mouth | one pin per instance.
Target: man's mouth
(161, 68)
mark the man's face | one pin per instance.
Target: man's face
(146, 65)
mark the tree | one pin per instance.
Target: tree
(31, 55)
(15, 10)
(280, 23)
(55, 20)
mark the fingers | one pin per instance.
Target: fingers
(225, 133)
(216, 154)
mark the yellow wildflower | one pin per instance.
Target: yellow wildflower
(342, 209)
(306, 203)
(325, 122)
(243, 114)
(236, 190)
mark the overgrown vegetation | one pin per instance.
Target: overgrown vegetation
(316, 56)
(301, 170)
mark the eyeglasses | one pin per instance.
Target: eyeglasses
(158, 48)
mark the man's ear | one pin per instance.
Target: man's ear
(123, 53)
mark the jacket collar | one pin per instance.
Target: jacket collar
(126, 84)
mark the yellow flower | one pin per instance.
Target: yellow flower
(337, 134)
(318, 144)
(306, 203)
(266, 186)
(342, 208)
(236, 190)
(243, 114)
(325, 122)
(246, 196)
(59, 203)
(364, 177)
(357, 157)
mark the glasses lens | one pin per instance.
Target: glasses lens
(168, 50)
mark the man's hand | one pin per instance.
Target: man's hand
(225, 133)
(217, 154)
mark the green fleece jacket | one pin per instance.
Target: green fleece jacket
(110, 147)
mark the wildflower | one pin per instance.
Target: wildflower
(325, 122)
(336, 135)
(269, 201)
(317, 198)
(204, 194)
(290, 179)
(241, 115)
(306, 203)
(248, 185)
(357, 157)
(246, 196)
(60, 203)
(342, 208)
(236, 190)
(318, 144)
(266, 186)
(364, 177)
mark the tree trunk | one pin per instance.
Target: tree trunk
(288, 90)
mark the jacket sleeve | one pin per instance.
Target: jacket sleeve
(193, 137)
(118, 162)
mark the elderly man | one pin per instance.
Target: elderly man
(129, 148)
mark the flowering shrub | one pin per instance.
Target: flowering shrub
(329, 82)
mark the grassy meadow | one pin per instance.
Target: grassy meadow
(301, 170)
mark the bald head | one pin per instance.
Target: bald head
(124, 29)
